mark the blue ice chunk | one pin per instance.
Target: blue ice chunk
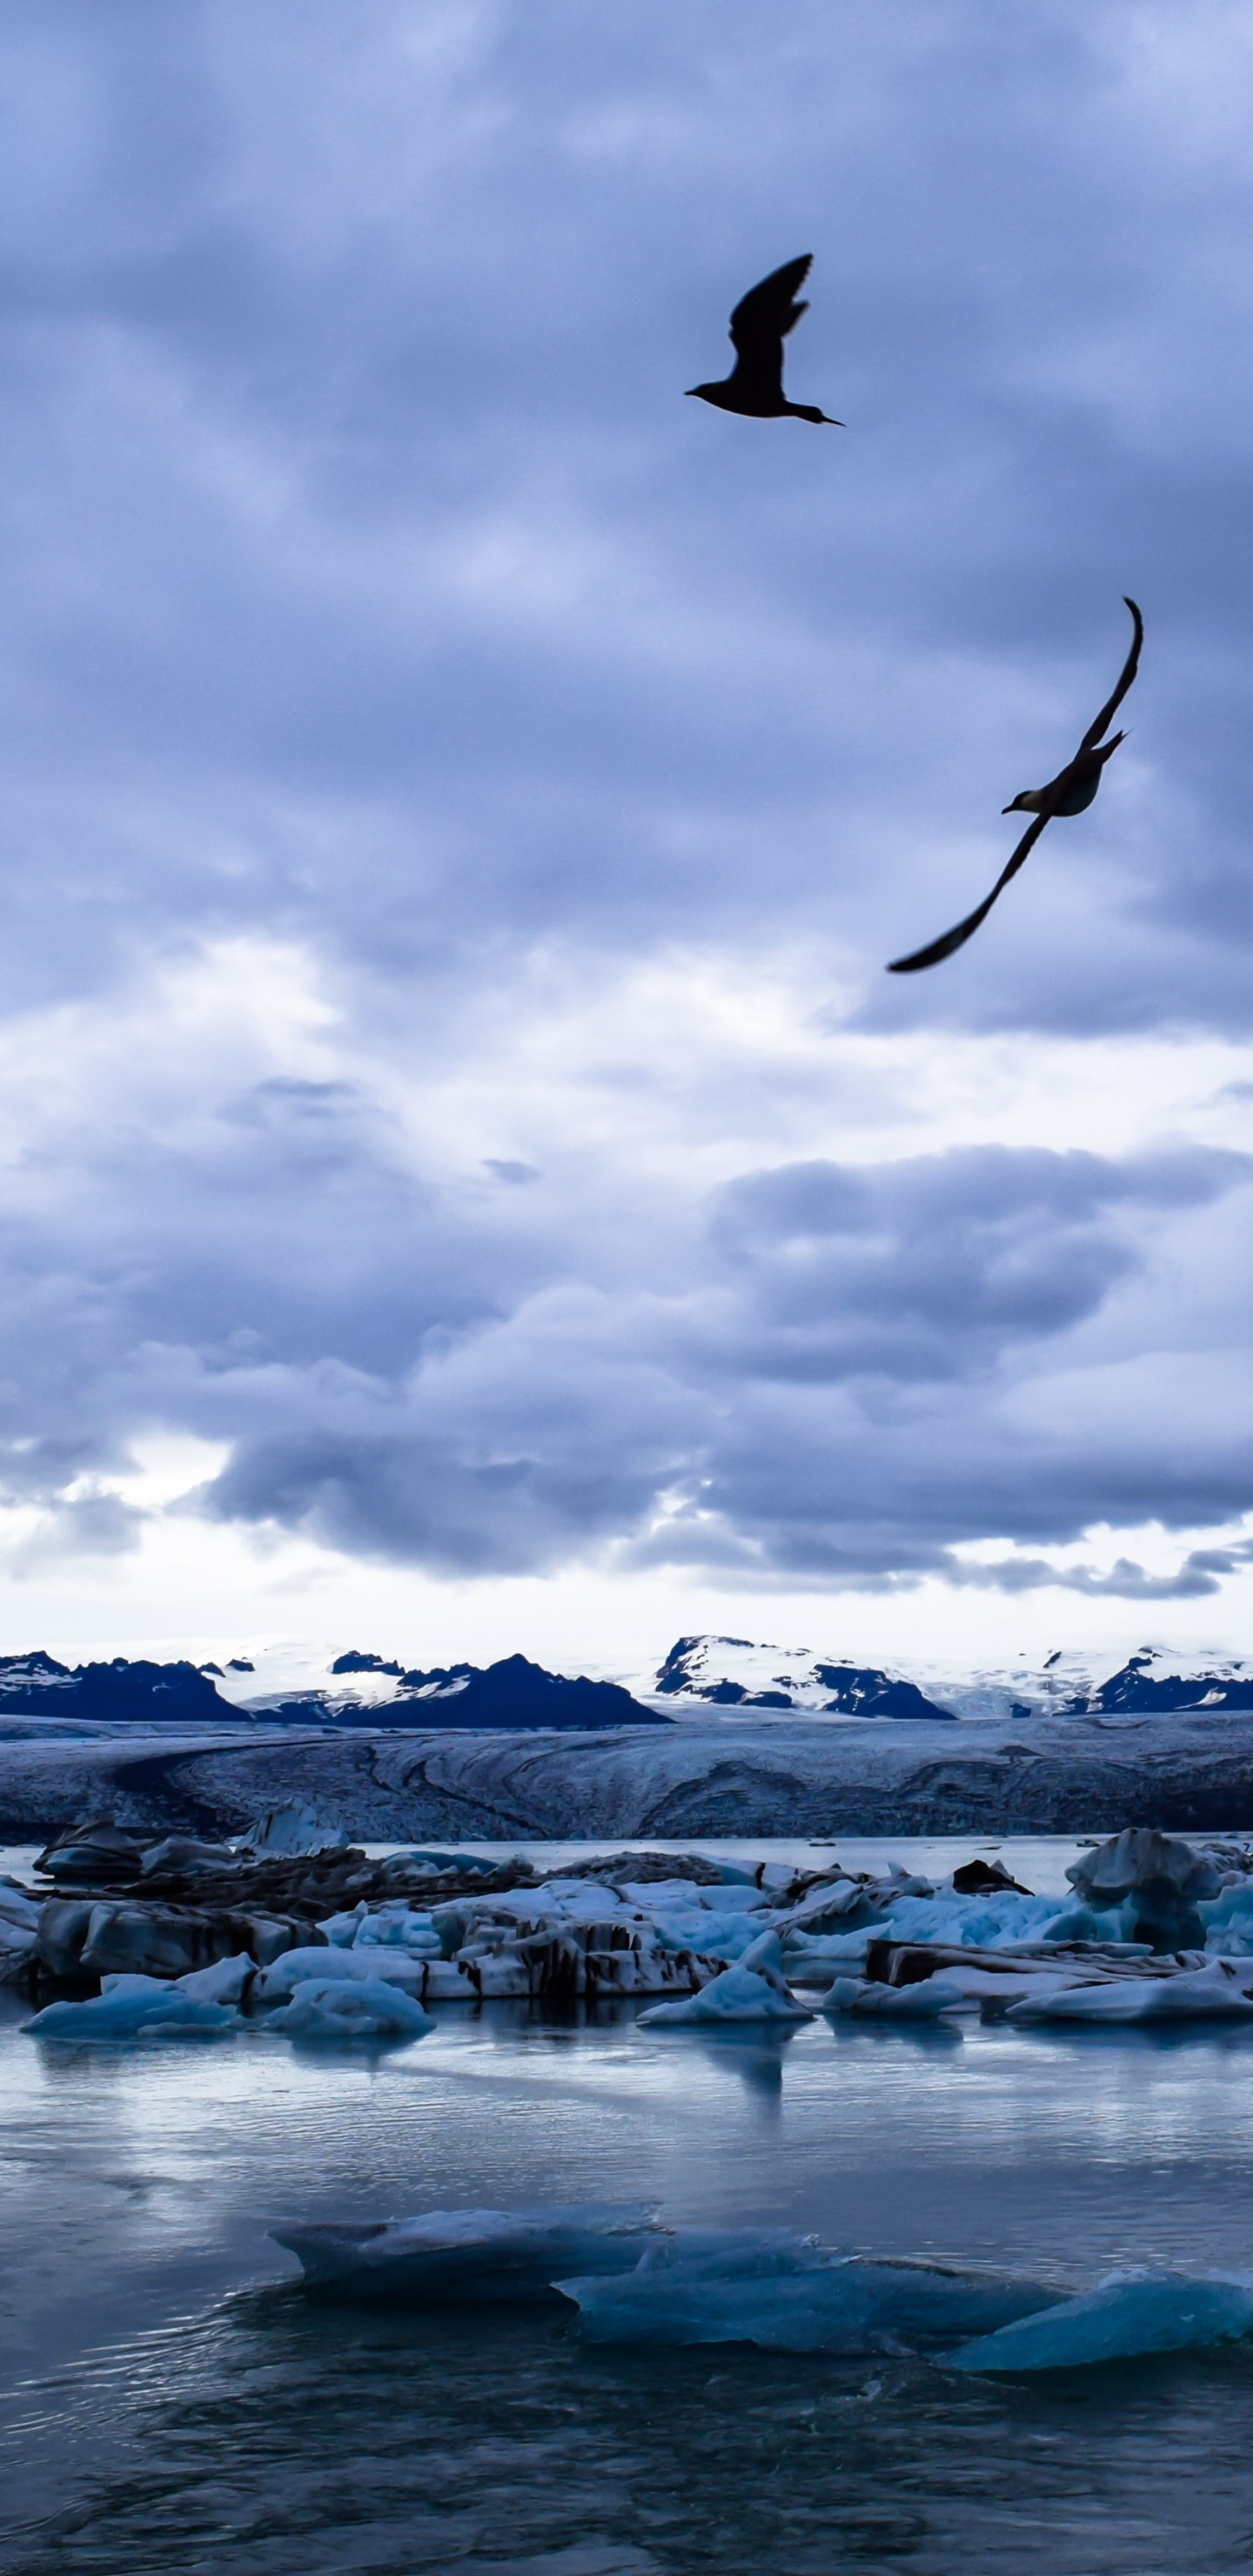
(1228, 1920)
(1125, 2317)
(454, 2256)
(278, 1983)
(1079, 1923)
(796, 2298)
(339, 2008)
(444, 1860)
(133, 2007)
(970, 1922)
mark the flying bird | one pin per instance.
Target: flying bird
(1071, 792)
(759, 326)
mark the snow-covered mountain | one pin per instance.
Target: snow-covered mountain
(732, 1673)
(39, 1695)
(705, 1678)
(512, 1692)
(128, 1692)
(729, 1672)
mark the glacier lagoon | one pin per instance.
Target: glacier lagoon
(174, 2399)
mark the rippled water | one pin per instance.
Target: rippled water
(174, 2402)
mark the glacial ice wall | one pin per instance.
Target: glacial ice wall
(1184, 1771)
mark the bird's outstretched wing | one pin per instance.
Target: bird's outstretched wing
(1126, 676)
(762, 319)
(964, 930)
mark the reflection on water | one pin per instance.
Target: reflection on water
(173, 2402)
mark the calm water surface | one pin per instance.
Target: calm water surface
(175, 2402)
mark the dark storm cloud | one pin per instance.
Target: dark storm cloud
(368, 587)
(929, 1269)
(825, 1390)
(358, 503)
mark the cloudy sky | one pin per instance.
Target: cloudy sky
(467, 1179)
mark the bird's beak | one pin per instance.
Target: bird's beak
(1015, 808)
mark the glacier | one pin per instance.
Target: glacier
(705, 1777)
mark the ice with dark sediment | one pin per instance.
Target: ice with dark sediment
(715, 1945)
(754, 1989)
(1220, 1991)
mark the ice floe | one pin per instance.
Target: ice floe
(1222, 1991)
(374, 1965)
(633, 2280)
(700, 1944)
(924, 2001)
(796, 2296)
(1126, 2318)
(450, 2256)
(132, 2007)
(362, 2008)
(19, 1930)
(294, 1829)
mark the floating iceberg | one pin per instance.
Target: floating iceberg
(924, 2001)
(19, 1927)
(395, 1967)
(295, 1829)
(971, 1922)
(1222, 1991)
(794, 2297)
(151, 2007)
(393, 1926)
(451, 2257)
(339, 2008)
(1155, 1879)
(633, 2281)
(1122, 2319)
(755, 1989)
(1228, 1920)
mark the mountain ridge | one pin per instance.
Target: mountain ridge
(702, 1676)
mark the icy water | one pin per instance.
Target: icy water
(174, 2401)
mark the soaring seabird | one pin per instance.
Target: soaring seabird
(1069, 793)
(759, 326)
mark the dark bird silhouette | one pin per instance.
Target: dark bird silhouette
(1070, 792)
(759, 326)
